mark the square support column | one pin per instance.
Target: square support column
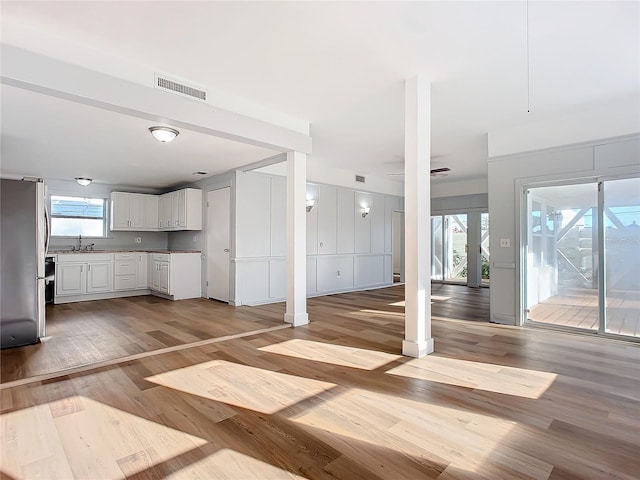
(417, 193)
(296, 310)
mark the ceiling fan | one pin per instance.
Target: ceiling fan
(435, 172)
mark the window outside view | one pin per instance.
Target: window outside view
(73, 216)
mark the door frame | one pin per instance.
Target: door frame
(522, 207)
(210, 253)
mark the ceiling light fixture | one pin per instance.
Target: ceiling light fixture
(84, 181)
(163, 134)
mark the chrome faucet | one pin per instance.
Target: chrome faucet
(79, 242)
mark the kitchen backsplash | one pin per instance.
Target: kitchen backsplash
(116, 240)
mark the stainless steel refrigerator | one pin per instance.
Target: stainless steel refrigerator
(23, 242)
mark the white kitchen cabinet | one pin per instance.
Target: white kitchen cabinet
(181, 210)
(177, 275)
(119, 211)
(141, 270)
(82, 273)
(160, 282)
(130, 271)
(151, 212)
(166, 211)
(132, 211)
(70, 278)
(99, 277)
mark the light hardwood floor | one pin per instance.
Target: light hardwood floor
(335, 399)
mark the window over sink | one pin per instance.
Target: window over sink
(73, 216)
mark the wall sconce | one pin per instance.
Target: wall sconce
(310, 203)
(365, 211)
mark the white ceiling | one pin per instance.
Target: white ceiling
(338, 65)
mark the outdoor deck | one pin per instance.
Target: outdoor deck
(578, 307)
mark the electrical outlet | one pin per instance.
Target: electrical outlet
(138, 239)
(195, 238)
(505, 242)
(339, 274)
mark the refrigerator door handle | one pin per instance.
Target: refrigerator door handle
(47, 237)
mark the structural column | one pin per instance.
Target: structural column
(296, 311)
(417, 194)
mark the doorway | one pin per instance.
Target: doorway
(460, 248)
(218, 243)
(398, 247)
(582, 263)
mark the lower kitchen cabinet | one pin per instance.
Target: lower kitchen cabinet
(91, 276)
(99, 277)
(141, 269)
(70, 278)
(82, 273)
(177, 275)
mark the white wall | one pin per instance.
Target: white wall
(507, 177)
(114, 240)
(344, 250)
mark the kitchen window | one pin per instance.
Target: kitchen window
(73, 216)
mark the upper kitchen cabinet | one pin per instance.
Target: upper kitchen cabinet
(129, 211)
(181, 210)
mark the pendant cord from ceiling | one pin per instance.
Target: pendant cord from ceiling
(528, 74)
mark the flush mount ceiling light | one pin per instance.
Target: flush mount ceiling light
(163, 134)
(84, 181)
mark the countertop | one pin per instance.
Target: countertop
(123, 250)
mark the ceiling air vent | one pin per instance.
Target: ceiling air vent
(172, 85)
(360, 178)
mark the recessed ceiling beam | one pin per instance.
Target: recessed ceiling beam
(47, 76)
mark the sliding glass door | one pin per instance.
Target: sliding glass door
(621, 218)
(561, 285)
(455, 248)
(573, 278)
(485, 258)
(460, 248)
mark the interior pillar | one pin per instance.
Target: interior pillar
(417, 193)
(296, 310)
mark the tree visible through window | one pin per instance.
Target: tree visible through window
(73, 216)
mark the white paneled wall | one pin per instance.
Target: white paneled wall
(344, 250)
(345, 220)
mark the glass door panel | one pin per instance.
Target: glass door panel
(436, 248)
(562, 255)
(455, 247)
(485, 259)
(622, 256)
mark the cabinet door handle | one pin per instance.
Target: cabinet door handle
(81, 268)
(89, 268)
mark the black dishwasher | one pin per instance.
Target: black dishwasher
(49, 279)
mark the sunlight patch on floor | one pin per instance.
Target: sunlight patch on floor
(334, 354)
(519, 382)
(96, 439)
(425, 430)
(434, 298)
(380, 312)
(227, 463)
(241, 385)
(397, 304)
